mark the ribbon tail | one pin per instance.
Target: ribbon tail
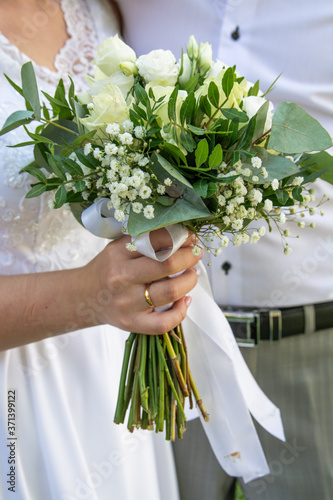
(228, 389)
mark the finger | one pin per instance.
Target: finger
(158, 323)
(171, 290)
(159, 239)
(146, 270)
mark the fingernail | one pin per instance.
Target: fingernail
(188, 300)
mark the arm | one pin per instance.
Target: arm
(108, 290)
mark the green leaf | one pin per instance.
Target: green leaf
(36, 190)
(191, 83)
(140, 111)
(56, 167)
(29, 88)
(174, 151)
(295, 131)
(60, 197)
(321, 163)
(70, 165)
(282, 196)
(163, 169)
(196, 130)
(142, 95)
(36, 172)
(297, 193)
(187, 140)
(87, 160)
(235, 115)
(59, 136)
(79, 113)
(212, 188)
(261, 117)
(166, 200)
(201, 152)
(172, 105)
(228, 81)
(205, 106)
(80, 186)
(14, 85)
(88, 136)
(187, 109)
(201, 188)
(17, 119)
(214, 94)
(215, 158)
(277, 167)
(187, 206)
(40, 155)
(254, 89)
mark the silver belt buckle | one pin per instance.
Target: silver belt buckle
(245, 319)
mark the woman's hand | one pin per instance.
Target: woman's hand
(108, 290)
(118, 278)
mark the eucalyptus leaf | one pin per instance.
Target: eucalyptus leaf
(295, 131)
(277, 167)
(182, 210)
(321, 163)
(30, 89)
(17, 119)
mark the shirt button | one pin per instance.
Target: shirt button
(235, 34)
(226, 266)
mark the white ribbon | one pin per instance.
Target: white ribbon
(225, 383)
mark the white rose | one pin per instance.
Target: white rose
(119, 79)
(251, 105)
(205, 57)
(159, 66)
(112, 53)
(109, 107)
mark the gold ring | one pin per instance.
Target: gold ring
(147, 296)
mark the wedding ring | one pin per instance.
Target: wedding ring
(147, 296)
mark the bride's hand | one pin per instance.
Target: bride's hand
(117, 279)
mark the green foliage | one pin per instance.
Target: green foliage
(295, 131)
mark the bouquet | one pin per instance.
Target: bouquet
(155, 142)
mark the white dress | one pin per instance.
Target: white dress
(66, 446)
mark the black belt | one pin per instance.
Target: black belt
(251, 325)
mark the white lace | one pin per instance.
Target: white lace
(34, 237)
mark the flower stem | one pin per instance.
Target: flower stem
(120, 414)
